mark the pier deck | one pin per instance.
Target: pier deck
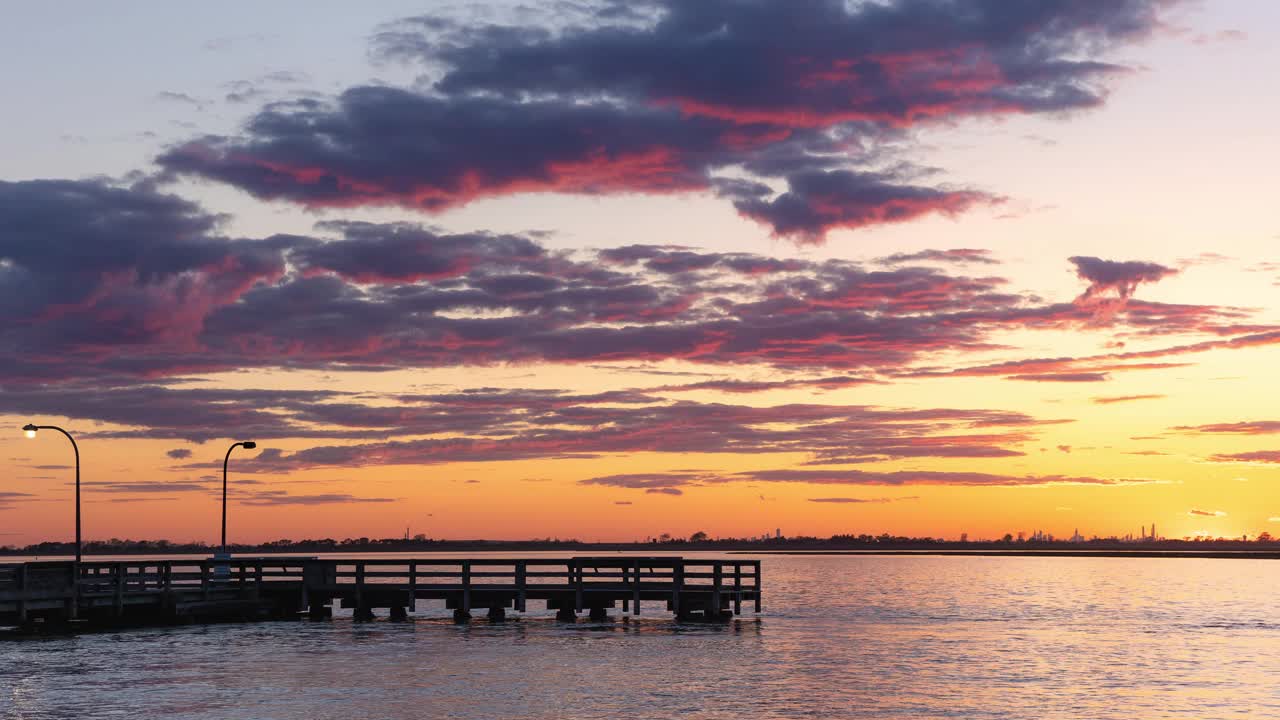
(36, 594)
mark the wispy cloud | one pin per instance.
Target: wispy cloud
(854, 500)
(1265, 457)
(657, 481)
(283, 498)
(1112, 399)
(9, 498)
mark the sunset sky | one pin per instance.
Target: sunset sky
(605, 269)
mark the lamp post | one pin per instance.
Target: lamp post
(30, 429)
(247, 445)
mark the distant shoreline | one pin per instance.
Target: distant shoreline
(938, 552)
(1227, 549)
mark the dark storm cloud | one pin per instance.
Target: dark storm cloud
(665, 97)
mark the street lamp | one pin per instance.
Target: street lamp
(30, 429)
(247, 445)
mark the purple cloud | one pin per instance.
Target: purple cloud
(167, 295)
(670, 103)
(1112, 283)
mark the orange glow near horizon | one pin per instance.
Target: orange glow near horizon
(536, 498)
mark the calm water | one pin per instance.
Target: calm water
(841, 637)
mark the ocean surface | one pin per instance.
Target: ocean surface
(841, 637)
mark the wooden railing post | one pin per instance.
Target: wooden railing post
(413, 586)
(577, 584)
(304, 600)
(119, 594)
(466, 587)
(635, 593)
(204, 580)
(677, 586)
(757, 562)
(73, 611)
(626, 601)
(717, 575)
(522, 580)
(21, 579)
(359, 586)
(737, 588)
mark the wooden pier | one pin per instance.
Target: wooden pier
(38, 595)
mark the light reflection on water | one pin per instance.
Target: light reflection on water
(848, 637)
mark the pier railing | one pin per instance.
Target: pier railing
(735, 580)
(161, 575)
(707, 586)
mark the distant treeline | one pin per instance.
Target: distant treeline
(697, 541)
